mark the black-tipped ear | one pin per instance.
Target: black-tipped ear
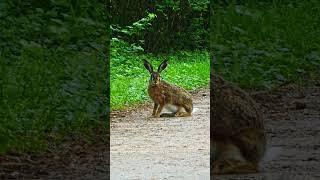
(162, 66)
(148, 66)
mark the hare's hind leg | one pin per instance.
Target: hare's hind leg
(188, 109)
(228, 159)
(180, 113)
(231, 166)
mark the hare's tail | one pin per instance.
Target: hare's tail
(194, 109)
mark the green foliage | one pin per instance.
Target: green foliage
(70, 25)
(137, 27)
(179, 25)
(132, 33)
(263, 44)
(53, 66)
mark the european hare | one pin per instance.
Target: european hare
(167, 95)
(237, 135)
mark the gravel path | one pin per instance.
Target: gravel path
(162, 148)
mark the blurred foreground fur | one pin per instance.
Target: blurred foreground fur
(238, 138)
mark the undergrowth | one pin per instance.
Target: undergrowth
(52, 71)
(261, 44)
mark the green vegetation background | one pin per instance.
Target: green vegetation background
(53, 71)
(260, 44)
(173, 30)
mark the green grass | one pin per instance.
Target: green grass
(129, 79)
(259, 45)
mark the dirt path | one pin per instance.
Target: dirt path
(293, 124)
(162, 148)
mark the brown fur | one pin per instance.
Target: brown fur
(237, 129)
(163, 93)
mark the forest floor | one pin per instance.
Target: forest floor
(73, 158)
(178, 148)
(161, 148)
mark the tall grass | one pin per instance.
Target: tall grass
(259, 44)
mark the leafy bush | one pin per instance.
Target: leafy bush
(133, 33)
(179, 25)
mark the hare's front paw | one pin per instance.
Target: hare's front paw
(154, 116)
(233, 167)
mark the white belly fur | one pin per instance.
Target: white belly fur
(171, 108)
(174, 108)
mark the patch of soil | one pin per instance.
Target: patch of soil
(74, 158)
(292, 120)
(162, 148)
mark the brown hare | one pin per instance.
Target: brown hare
(238, 138)
(167, 95)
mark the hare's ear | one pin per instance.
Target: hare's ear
(162, 66)
(148, 66)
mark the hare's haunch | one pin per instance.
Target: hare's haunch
(238, 138)
(164, 94)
